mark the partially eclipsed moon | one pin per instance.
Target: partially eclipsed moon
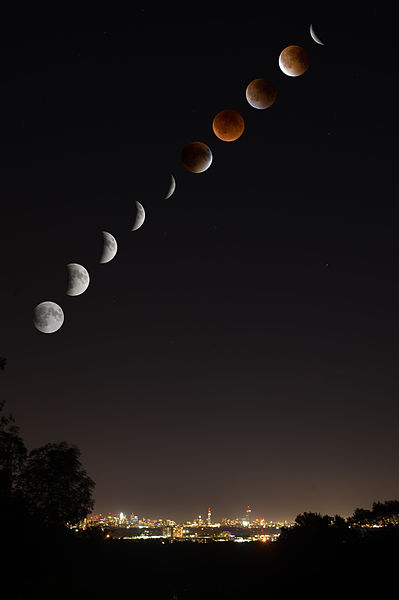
(315, 37)
(260, 93)
(110, 247)
(196, 157)
(294, 61)
(140, 216)
(78, 279)
(48, 317)
(172, 187)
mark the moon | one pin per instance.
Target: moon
(78, 279)
(228, 125)
(48, 317)
(260, 93)
(315, 37)
(110, 247)
(294, 61)
(172, 187)
(196, 157)
(140, 216)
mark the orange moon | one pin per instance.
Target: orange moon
(228, 125)
(294, 61)
(261, 93)
(196, 157)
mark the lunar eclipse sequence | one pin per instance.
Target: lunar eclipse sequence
(228, 125)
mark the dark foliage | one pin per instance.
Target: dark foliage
(85, 567)
(12, 453)
(46, 487)
(56, 487)
(381, 514)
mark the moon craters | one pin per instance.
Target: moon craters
(48, 317)
(110, 247)
(78, 279)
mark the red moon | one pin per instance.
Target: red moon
(196, 157)
(261, 93)
(228, 125)
(294, 61)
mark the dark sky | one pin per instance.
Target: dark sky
(242, 346)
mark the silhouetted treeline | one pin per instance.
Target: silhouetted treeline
(46, 487)
(183, 570)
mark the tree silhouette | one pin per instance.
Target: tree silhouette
(56, 487)
(386, 513)
(382, 514)
(314, 521)
(12, 454)
(361, 516)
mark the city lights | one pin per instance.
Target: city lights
(134, 527)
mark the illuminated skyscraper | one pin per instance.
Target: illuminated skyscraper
(247, 518)
(209, 520)
(248, 514)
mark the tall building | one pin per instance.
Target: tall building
(209, 519)
(247, 518)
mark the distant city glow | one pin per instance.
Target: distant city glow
(134, 527)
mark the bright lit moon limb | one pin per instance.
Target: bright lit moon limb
(78, 279)
(315, 37)
(110, 247)
(172, 187)
(140, 216)
(284, 70)
(197, 157)
(48, 317)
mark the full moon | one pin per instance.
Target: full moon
(196, 157)
(110, 247)
(260, 93)
(48, 317)
(228, 125)
(78, 279)
(294, 61)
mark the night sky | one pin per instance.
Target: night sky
(242, 346)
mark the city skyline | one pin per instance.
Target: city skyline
(122, 517)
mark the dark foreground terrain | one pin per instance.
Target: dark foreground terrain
(61, 565)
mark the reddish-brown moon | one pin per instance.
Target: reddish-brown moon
(228, 125)
(261, 93)
(196, 157)
(294, 61)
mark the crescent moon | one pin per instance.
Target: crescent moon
(140, 216)
(110, 247)
(172, 187)
(78, 279)
(48, 317)
(315, 37)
